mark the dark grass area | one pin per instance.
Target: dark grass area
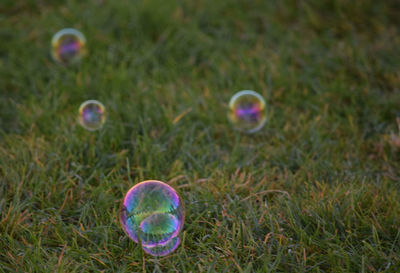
(317, 190)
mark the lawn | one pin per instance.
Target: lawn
(316, 190)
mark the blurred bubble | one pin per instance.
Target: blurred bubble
(68, 46)
(92, 115)
(247, 111)
(152, 213)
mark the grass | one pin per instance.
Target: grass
(317, 190)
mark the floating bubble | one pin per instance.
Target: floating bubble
(152, 214)
(92, 115)
(68, 46)
(247, 111)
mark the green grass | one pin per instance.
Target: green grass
(317, 190)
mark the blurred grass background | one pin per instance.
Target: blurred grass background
(317, 190)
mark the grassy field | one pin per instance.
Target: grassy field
(317, 190)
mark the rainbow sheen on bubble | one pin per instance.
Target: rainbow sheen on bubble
(247, 111)
(152, 214)
(92, 115)
(68, 46)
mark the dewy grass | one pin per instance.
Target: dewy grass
(316, 190)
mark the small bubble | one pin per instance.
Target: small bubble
(92, 115)
(247, 111)
(68, 46)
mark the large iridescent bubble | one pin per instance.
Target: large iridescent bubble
(247, 111)
(68, 46)
(152, 214)
(92, 115)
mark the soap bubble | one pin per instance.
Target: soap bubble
(247, 111)
(152, 213)
(92, 115)
(68, 46)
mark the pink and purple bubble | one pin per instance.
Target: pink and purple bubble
(152, 214)
(68, 46)
(247, 111)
